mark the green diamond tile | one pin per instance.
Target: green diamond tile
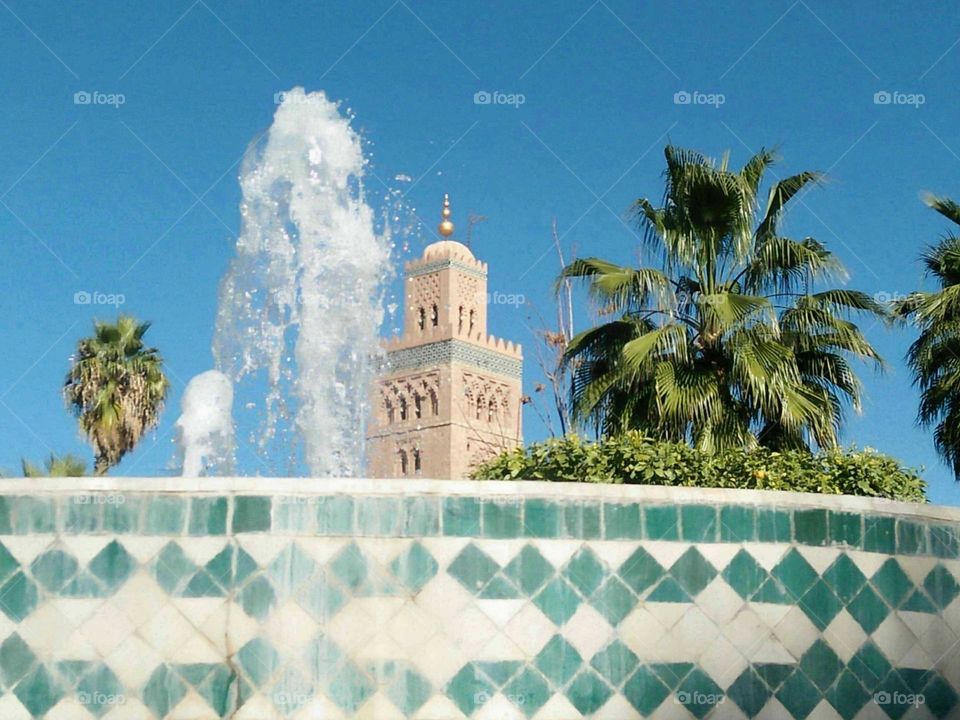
(820, 604)
(53, 569)
(202, 585)
(8, 563)
(614, 663)
(773, 591)
(469, 689)
(543, 519)
(70, 671)
(558, 660)
(16, 660)
(918, 602)
(848, 696)
(868, 609)
(414, 567)
(940, 698)
(219, 688)
(113, 565)
(844, 578)
(795, 574)
(499, 672)
(259, 660)
(870, 666)
(38, 691)
(290, 691)
(744, 574)
(503, 519)
(773, 674)
(251, 513)
(621, 521)
(698, 523)
(821, 665)
(378, 516)
(614, 601)
(172, 568)
(810, 527)
(351, 568)
(585, 571)
(258, 598)
(692, 572)
(943, 541)
(290, 569)
(165, 515)
(892, 582)
(322, 657)
(588, 692)
(749, 692)
(669, 590)
(335, 515)
(529, 570)
(473, 568)
(645, 691)
(163, 691)
(409, 690)
(773, 526)
(461, 516)
(421, 517)
(18, 597)
(499, 588)
(941, 586)
(699, 694)
(100, 691)
(672, 673)
(798, 695)
(640, 570)
(208, 516)
(558, 601)
(894, 697)
(911, 538)
(194, 673)
(83, 586)
(738, 523)
(231, 566)
(528, 691)
(846, 529)
(879, 535)
(661, 522)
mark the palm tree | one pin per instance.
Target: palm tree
(63, 466)
(726, 343)
(116, 387)
(935, 357)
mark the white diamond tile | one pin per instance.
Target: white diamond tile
(667, 613)
(867, 562)
(503, 551)
(940, 641)
(77, 647)
(198, 610)
(133, 662)
(319, 708)
(556, 708)
(530, 629)
(498, 708)
(351, 627)
(746, 631)
(770, 613)
(767, 555)
(670, 709)
(167, 630)
(379, 648)
(132, 709)
(439, 660)
(824, 711)
(613, 552)
(10, 707)
(773, 710)
(290, 626)
(820, 558)
(322, 549)
(196, 649)
(26, 548)
(383, 550)
(470, 630)
(85, 547)
(641, 631)
(771, 651)
(378, 707)
(439, 707)
(616, 708)
(587, 630)
(500, 647)
(951, 615)
(241, 628)
(692, 633)
(143, 549)
(262, 548)
(140, 598)
(916, 657)
(379, 609)
(201, 550)
(722, 661)
(719, 554)
(918, 622)
(192, 707)
(443, 597)
(106, 629)
(445, 549)
(411, 627)
(665, 552)
(719, 601)
(69, 709)
(558, 552)
(893, 638)
(257, 708)
(844, 635)
(796, 632)
(46, 630)
(918, 567)
(76, 610)
(500, 611)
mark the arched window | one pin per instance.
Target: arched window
(421, 318)
(460, 320)
(480, 405)
(434, 402)
(434, 315)
(416, 460)
(390, 412)
(417, 405)
(403, 408)
(404, 462)
(491, 409)
(473, 314)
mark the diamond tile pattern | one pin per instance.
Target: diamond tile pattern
(317, 610)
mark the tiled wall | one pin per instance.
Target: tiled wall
(554, 603)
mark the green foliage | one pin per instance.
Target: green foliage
(635, 458)
(53, 466)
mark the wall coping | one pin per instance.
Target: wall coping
(487, 488)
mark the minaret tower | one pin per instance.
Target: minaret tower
(450, 394)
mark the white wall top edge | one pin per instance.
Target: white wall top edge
(556, 490)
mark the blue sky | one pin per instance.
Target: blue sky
(141, 199)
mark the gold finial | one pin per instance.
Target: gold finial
(446, 226)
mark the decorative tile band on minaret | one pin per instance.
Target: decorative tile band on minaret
(449, 394)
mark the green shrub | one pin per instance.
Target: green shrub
(637, 459)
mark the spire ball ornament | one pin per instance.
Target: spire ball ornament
(445, 227)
